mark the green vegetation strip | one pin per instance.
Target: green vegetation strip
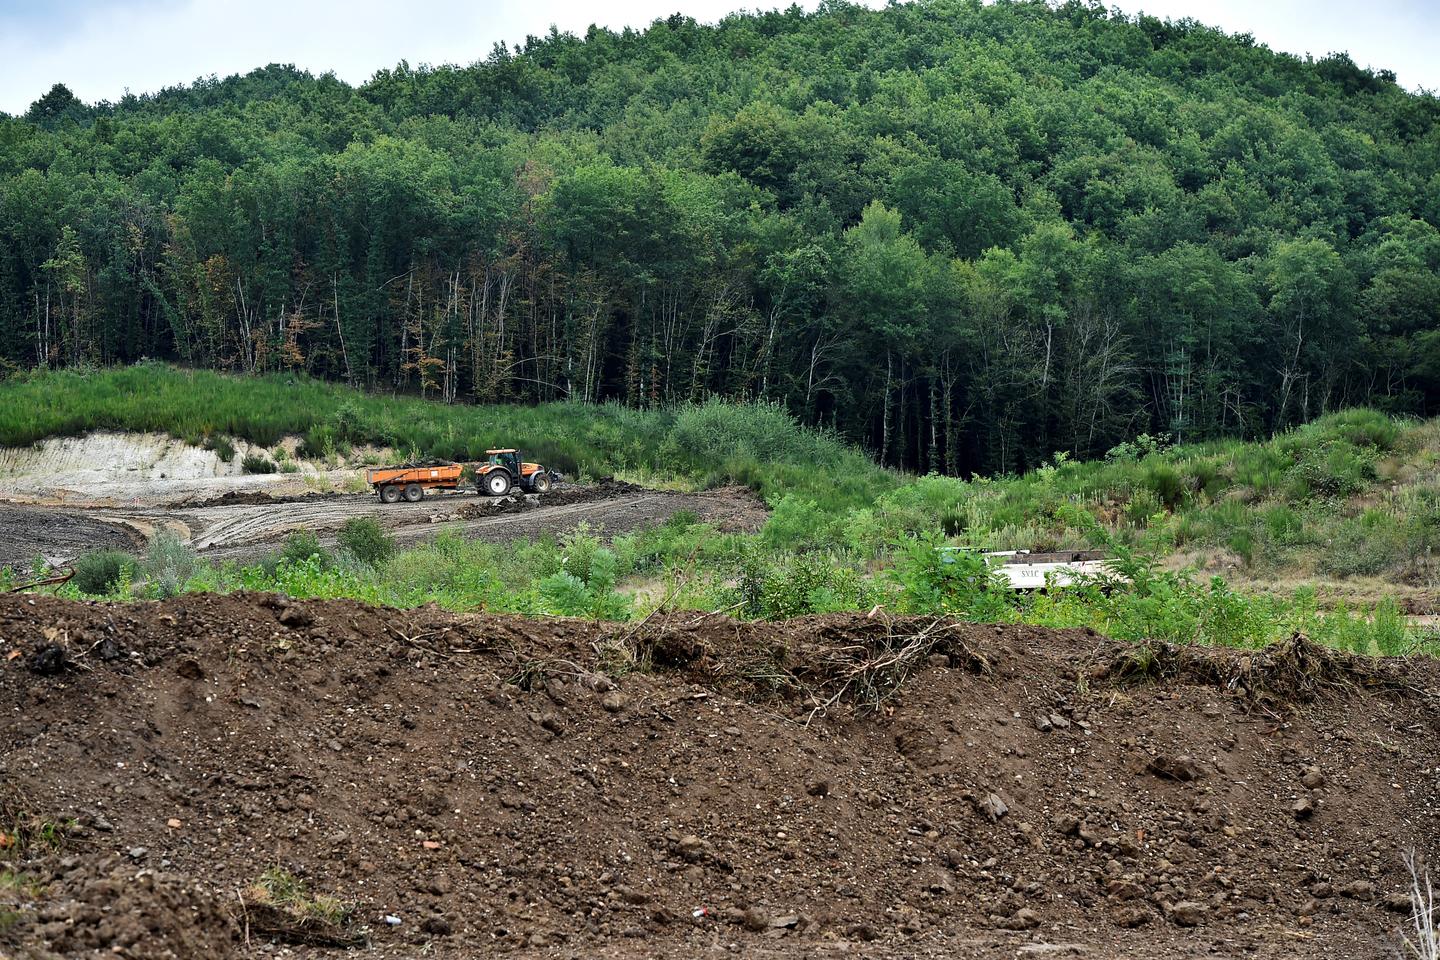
(1352, 495)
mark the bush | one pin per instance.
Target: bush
(169, 564)
(799, 523)
(258, 463)
(366, 540)
(100, 572)
(1166, 483)
(301, 546)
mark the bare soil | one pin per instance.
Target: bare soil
(247, 525)
(830, 786)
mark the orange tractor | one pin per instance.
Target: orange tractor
(505, 469)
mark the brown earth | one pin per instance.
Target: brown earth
(247, 525)
(502, 785)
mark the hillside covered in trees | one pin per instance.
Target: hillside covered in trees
(964, 235)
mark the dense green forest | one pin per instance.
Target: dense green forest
(963, 235)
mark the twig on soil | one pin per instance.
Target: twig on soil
(47, 582)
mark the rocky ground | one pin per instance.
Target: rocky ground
(693, 787)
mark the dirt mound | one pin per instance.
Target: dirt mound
(239, 498)
(116, 906)
(478, 784)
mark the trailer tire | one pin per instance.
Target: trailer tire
(540, 482)
(414, 493)
(497, 483)
(389, 493)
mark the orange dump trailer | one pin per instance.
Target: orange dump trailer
(392, 483)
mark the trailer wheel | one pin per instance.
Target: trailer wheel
(413, 492)
(497, 483)
(540, 482)
(389, 493)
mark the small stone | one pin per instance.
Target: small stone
(862, 932)
(1043, 724)
(296, 617)
(1313, 778)
(436, 926)
(335, 745)
(1059, 722)
(1052, 950)
(138, 853)
(173, 823)
(1183, 769)
(613, 702)
(631, 895)
(1025, 919)
(940, 885)
(787, 922)
(1359, 890)
(1304, 808)
(1188, 913)
(818, 788)
(1397, 903)
(994, 807)
(755, 921)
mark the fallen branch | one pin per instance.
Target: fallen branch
(48, 581)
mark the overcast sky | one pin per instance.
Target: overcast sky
(101, 48)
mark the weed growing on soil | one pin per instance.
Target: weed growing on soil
(26, 834)
(1423, 913)
(280, 888)
(258, 463)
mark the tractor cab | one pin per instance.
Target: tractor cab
(509, 459)
(503, 469)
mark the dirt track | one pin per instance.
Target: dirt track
(250, 525)
(482, 782)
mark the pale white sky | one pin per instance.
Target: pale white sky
(99, 48)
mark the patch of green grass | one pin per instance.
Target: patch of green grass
(281, 889)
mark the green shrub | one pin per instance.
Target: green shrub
(932, 578)
(1365, 546)
(257, 463)
(1166, 483)
(169, 564)
(303, 545)
(798, 523)
(366, 540)
(100, 572)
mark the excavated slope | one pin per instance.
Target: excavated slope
(957, 791)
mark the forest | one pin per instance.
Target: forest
(964, 236)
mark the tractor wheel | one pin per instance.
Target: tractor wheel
(389, 493)
(497, 483)
(413, 492)
(540, 482)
